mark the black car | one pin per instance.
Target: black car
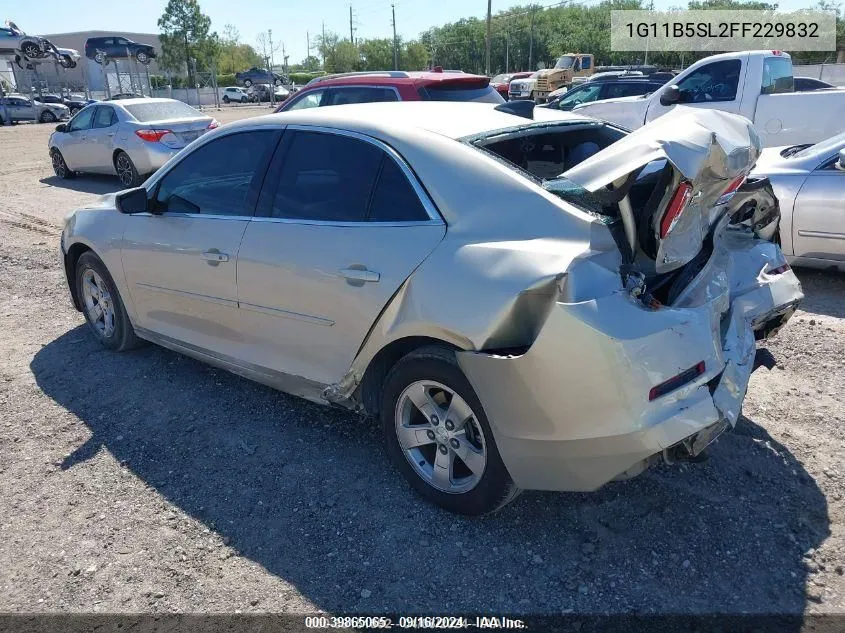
(257, 75)
(808, 84)
(608, 89)
(73, 102)
(101, 49)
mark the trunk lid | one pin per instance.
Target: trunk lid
(707, 151)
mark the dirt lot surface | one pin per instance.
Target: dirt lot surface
(147, 481)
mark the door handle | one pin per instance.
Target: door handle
(359, 276)
(214, 257)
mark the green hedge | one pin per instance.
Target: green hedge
(226, 80)
(303, 78)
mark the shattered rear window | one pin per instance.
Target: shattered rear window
(567, 190)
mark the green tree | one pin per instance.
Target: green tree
(376, 54)
(341, 55)
(185, 35)
(414, 57)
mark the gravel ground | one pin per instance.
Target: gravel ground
(149, 482)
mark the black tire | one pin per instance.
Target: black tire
(123, 335)
(226, 99)
(47, 117)
(247, 82)
(31, 50)
(99, 57)
(495, 489)
(60, 166)
(66, 62)
(142, 57)
(126, 170)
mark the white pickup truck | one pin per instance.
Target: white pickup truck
(755, 84)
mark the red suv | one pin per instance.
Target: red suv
(393, 85)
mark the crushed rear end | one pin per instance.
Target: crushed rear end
(656, 362)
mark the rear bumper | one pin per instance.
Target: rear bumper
(148, 157)
(573, 412)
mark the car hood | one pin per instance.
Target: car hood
(708, 148)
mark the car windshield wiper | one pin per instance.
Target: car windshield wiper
(791, 151)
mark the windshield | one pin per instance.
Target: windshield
(501, 79)
(161, 110)
(828, 146)
(565, 62)
(577, 96)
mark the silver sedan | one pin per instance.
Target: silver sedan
(516, 317)
(131, 138)
(809, 181)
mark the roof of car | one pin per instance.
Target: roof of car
(451, 119)
(394, 77)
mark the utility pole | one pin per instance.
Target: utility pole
(395, 49)
(272, 77)
(307, 44)
(323, 47)
(351, 36)
(487, 51)
(531, 43)
(507, 51)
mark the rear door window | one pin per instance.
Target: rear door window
(394, 199)
(326, 178)
(626, 90)
(105, 117)
(359, 94)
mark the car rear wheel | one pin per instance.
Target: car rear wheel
(47, 117)
(59, 165)
(126, 170)
(438, 436)
(101, 303)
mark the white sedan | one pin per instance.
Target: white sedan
(809, 181)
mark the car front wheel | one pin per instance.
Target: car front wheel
(101, 303)
(247, 82)
(225, 99)
(142, 57)
(47, 117)
(438, 436)
(59, 165)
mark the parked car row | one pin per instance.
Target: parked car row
(18, 108)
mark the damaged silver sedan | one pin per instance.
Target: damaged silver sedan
(525, 299)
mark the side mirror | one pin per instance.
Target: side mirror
(671, 96)
(133, 201)
(61, 127)
(840, 164)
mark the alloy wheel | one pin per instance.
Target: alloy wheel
(98, 303)
(59, 166)
(124, 170)
(440, 436)
(48, 117)
(142, 57)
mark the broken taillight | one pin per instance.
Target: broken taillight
(676, 382)
(676, 205)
